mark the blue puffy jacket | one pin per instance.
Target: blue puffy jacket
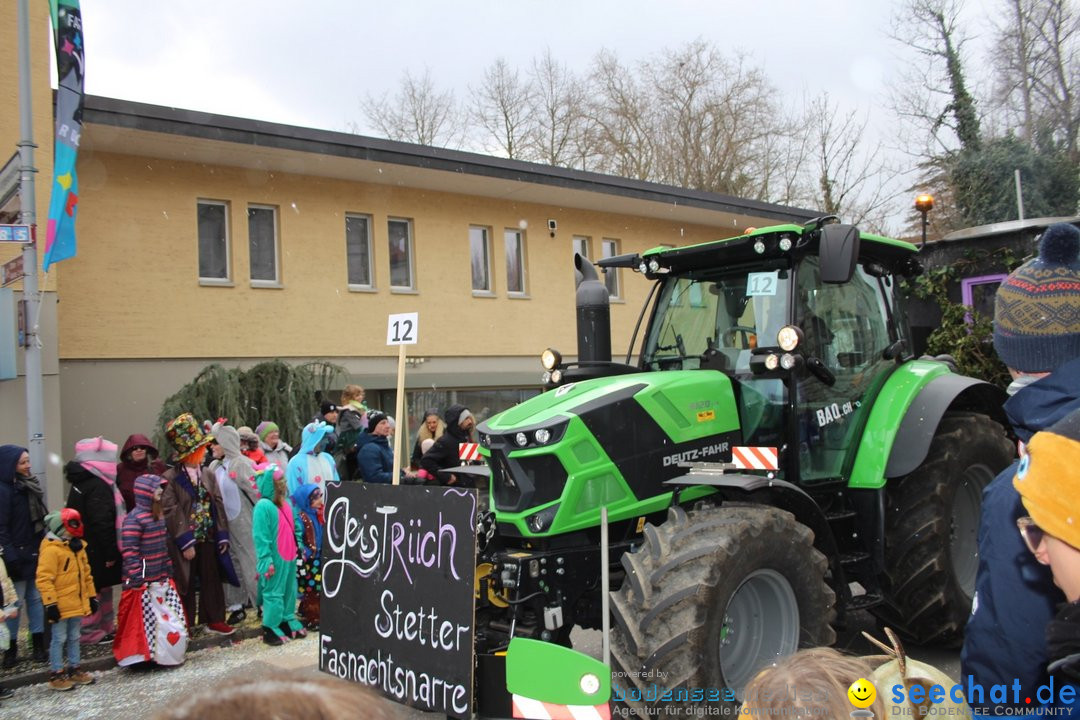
(1015, 597)
(376, 460)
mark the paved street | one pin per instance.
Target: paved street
(120, 693)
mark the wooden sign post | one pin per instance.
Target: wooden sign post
(401, 329)
(397, 608)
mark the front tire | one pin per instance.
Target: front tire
(932, 526)
(714, 595)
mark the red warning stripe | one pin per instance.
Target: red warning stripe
(468, 451)
(755, 458)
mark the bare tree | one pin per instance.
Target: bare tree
(624, 117)
(559, 135)
(934, 96)
(417, 113)
(501, 106)
(1037, 61)
(848, 177)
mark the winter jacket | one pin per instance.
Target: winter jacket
(145, 546)
(444, 453)
(64, 578)
(7, 588)
(94, 500)
(19, 540)
(1063, 649)
(127, 469)
(309, 466)
(425, 434)
(278, 455)
(1015, 596)
(176, 502)
(376, 460)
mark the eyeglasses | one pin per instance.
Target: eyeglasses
(1033, 534)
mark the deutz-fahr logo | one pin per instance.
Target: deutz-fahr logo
(702, 453)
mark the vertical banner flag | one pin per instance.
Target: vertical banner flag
(64, 201)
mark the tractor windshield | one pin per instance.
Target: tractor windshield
(715, 319)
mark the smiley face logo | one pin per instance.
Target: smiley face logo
(862, 693)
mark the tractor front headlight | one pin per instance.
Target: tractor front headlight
(542, 436)
(556, 376)
(788, 361)
(772, 361)
(521, 440)
(789, 338)
(550, 359)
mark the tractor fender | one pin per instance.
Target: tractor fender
(941, 394)
(738, 487)
(906, 413)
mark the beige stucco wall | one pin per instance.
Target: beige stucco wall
(136, 276)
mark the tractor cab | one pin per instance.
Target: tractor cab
(805, 329)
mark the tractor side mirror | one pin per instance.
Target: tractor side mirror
(838, 252)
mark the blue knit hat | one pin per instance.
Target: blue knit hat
(1037, 308)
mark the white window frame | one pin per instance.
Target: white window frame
(227, 280)
(586, 244)
(517, 236)
(609, 247)
(274, 282)
(410, 249)
(370, 285)
(485, 237)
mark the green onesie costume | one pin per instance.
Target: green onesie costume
(275, 532)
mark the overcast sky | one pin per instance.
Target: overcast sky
(311, 63)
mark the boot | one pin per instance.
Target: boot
(40, 653)
(11, 656)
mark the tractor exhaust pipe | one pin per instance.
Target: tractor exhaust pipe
(593, 314)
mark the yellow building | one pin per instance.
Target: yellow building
(204, 238)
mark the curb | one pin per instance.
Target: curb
(202, 642)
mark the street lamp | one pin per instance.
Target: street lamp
(924, 203)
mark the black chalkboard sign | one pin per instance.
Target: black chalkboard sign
(397, 607)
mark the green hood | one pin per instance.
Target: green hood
(264, 480)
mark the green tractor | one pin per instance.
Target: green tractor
(777, 458)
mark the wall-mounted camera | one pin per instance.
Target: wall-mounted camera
(552, 226)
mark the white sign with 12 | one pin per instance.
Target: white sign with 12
(403, 329)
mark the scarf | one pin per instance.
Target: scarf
(1020, 383)
(98, 457)
(32, 487)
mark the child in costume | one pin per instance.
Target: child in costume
(150, 622)
(275, 531)
(311, 465)
(308, 501)
(68, 594)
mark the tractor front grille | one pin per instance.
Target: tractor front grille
(520, 483)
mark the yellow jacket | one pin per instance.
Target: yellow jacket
(64, 578)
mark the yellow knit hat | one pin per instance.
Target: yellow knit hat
(1048, 479)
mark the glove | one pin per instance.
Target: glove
(93, 605)
(52, 613)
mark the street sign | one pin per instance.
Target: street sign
(16, 234)
(12, 270)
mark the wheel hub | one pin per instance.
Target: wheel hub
(760, 624)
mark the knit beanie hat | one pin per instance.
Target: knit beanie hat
(97, 455)
(1047, 479)
(66, 521)
(265, 428)
(1037, 308)
(375, 417)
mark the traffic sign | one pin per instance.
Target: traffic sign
(16, 234)
(12, 270)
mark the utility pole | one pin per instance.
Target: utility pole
(35, 404)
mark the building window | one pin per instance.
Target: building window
(610, 248)
(358, 251)
(515, 261)
(581, 246)
(480, 259)
(978, 294)
(262, 244)
(213, 241)
(401, 255)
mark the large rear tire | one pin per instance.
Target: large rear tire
(932, 526)
(711, 597)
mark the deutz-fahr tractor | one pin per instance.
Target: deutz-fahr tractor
(776, 458)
